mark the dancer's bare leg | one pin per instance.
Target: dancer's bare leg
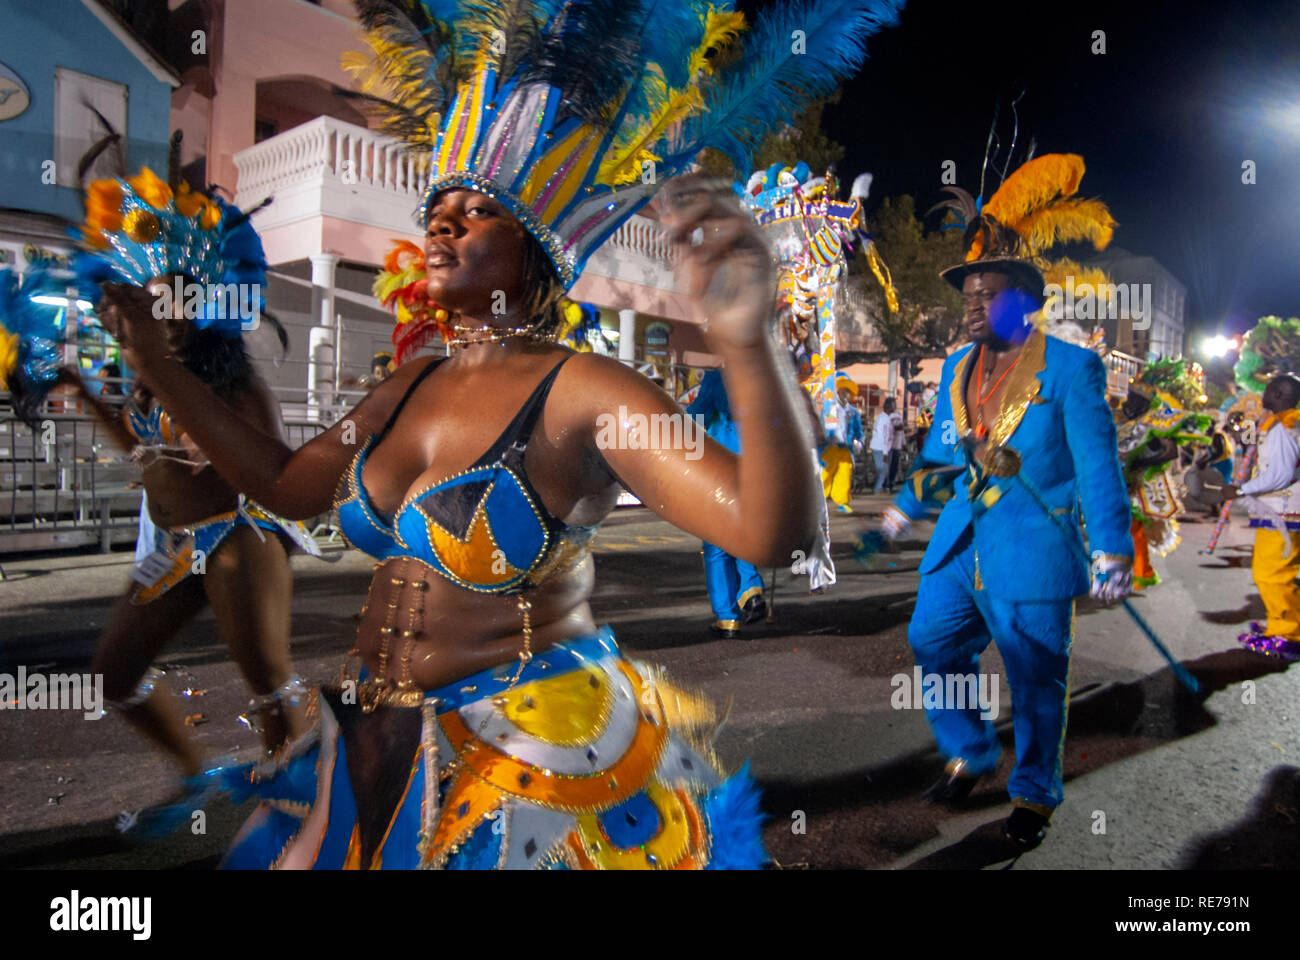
(250, 587)
(133, 639)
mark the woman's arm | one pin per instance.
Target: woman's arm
(253, 459)
(110, 417)
(762, 505)
(753, 506)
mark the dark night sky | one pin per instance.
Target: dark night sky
(1184, 93)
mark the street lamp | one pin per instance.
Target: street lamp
(1219, 345)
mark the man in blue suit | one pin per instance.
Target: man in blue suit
(997, 567)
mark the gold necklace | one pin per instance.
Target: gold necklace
(491, 334)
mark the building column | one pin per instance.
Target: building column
(320, 339)
(627, 334)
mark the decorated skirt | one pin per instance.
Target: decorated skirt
(181, 551)
(588, 762)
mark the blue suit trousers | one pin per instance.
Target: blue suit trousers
(955, 618)
(731, 583)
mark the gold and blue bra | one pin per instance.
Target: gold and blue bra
(484, 528)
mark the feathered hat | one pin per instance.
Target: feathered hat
(560, 109)
(1033, 210)
(30, 336)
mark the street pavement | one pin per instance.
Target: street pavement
(1155, 777)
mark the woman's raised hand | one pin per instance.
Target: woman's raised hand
(728, 273)
(127, 312)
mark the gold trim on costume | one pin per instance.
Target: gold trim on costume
(957, 392)
(1022, 386)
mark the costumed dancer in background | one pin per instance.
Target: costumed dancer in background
(143, 240)
(1152, 428)
(1273, 498)
(735, 587)
(997, 567)
(494, 724)
(843, 426)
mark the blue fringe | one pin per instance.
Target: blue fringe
(735, 824)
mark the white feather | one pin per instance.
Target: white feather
(861, 186)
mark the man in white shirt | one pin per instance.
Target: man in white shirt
(882, 443)
(1273, 497)
(896, 451)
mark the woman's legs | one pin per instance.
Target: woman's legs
(133, 639)
(250, 587)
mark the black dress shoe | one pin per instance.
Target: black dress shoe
(755, 609)
(725, 631)
(954, 786)
(1025, 828)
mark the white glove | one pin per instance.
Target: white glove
(857, 447)
(1112, 578)
(894, 523)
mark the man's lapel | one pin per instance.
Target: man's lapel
(957, 392)
(1022, 386)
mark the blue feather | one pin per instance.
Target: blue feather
(735, 824)
(772, 83)
(672, 30)
(40, 335)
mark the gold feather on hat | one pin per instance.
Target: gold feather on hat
(1037, 203)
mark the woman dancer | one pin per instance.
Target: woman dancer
(493, 724)
(141, 231)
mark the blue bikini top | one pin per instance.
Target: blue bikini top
(484, 528)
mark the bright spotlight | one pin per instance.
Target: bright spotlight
(1218, 346)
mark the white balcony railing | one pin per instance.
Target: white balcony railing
(645, 238)
(330, 149)
(330, 168)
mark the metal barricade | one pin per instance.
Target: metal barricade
(63, 484)
(66, 485)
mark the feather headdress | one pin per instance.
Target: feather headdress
(570, 111)
(140, 227)
(30, 336)
(1033, 211)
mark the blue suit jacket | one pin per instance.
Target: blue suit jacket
(1054, 414)
(712, 404)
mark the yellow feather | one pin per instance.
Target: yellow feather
(1067, 221)
(622, 164)
(720, 29)
(1035, 184)
(1065, 272)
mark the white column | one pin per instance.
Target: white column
(320, 339)
(627, 334)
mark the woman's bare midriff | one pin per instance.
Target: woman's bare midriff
(438, 632)
(178, 496)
